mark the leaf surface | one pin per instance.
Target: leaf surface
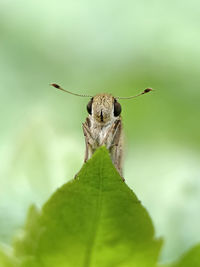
(94, 220)
(190, 258)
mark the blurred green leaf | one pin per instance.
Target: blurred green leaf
(189, 259)
(94, 220)
(6, 260)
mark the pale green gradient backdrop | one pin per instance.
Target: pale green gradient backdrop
(119, 47)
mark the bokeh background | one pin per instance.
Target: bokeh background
(120, 47)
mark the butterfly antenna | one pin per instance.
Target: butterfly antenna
(147, 90)
(60, 88)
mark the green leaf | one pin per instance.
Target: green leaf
(94, 220)
(190, 258)
(6, 260)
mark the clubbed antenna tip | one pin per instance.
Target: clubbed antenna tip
(147, 90)
(55, 85)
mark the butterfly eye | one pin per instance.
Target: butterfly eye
(117, 108)
(89, 106)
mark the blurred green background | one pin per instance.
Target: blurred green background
(120, 47)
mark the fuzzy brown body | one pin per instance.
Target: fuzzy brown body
(104, 127)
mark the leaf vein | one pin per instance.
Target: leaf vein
(96, 221)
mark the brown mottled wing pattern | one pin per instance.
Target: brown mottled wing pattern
(116, 149)
(113, 141)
